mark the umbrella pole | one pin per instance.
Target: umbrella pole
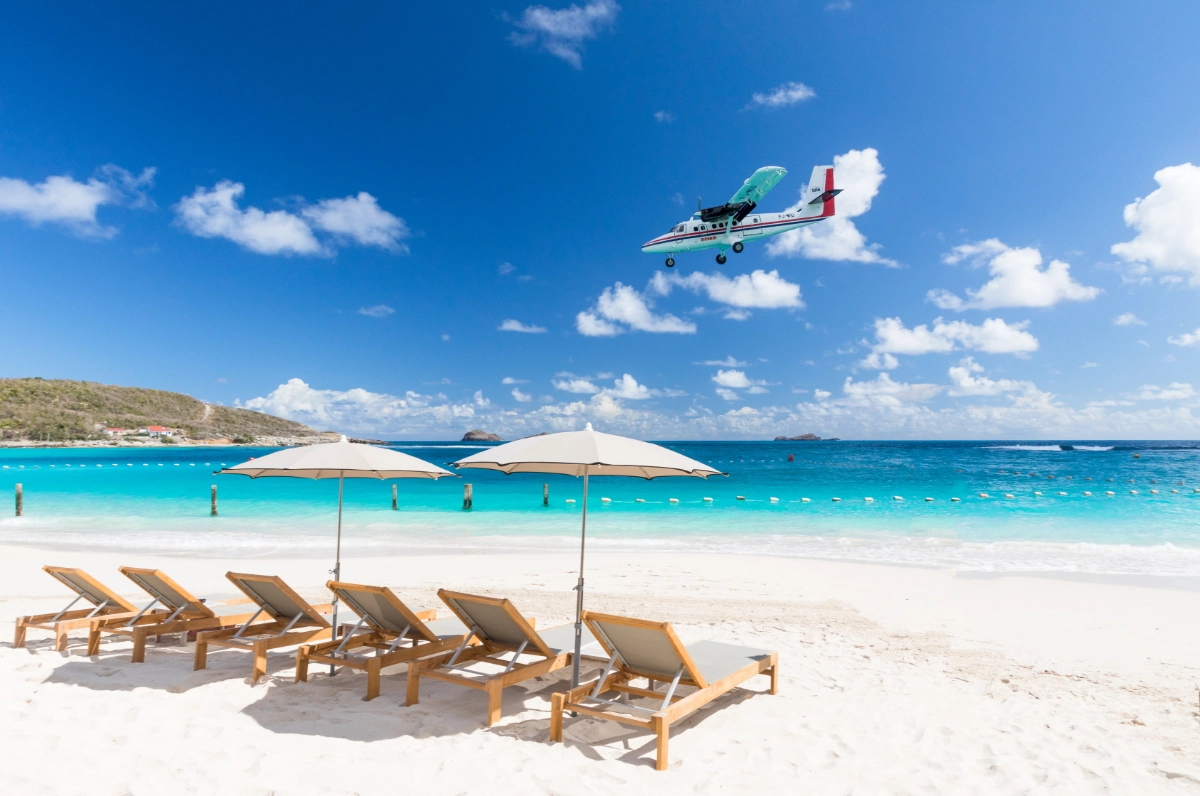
(337, 564)
(579, 589)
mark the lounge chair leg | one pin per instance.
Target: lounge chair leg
(556, 710)
(139, 647)
(93, 647)
(494, 694)
(374, 666)
(19, 634)
(302, 665)
(775, 679)
(412, 689)
(201, 659)
(662, 729)
(60, 638)
(260, 663)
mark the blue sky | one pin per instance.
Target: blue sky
(335, 213)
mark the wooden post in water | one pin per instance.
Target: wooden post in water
(466, 496)
(545, 494)
(20, 500)
(393, 497)
(214, 500)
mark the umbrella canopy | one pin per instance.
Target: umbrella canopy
(585, 453)
(342, 459)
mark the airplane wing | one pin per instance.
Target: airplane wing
(759, 184)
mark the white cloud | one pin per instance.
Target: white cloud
(878, 361)
(622, 304)
(520, 396)
(1090, 365)
(757, 290)
(511, 325)
(859, 174)
(628, 387)
(480, 401)
(1185, 339)
(781, 96)
(506, 268)
(1178, 391)
(993, 336)
(965, 382)
(737, 315)
(1168, 236)
(359, 219)
(73, 204)
(578, 386)
(1018, 280)
(734, 378)
(821, 395)
(563, 31)
(664, 116)
(378, 311)
(727, 394)
(727, 362)
(882, 390)
(1128, 319)
(214, 213)
(511, 380)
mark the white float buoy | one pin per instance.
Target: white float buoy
(774, 500)
(1153, 491)
(897, 497)
(672, 500)
(1110, 493)
(639, 500)
(1173, 491)
(145, 465)
(955, 500)
(1133, 491)
(837, 500)
(805, 500)
(570, 500)
(741, 497)
(928, 500)
(605, 500)
(984, 495)
(868, 500)
(1037, 494)
(1087, 494)
(1009, 495)
(1062, 494)
(708, 500)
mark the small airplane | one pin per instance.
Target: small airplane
(733, 224)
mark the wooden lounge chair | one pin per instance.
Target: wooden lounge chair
(390, 623)
(184, 613)
(292, 621)
(651, 650)
(105, 602)
(497, 628)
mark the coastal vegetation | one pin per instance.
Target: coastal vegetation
(57, 410)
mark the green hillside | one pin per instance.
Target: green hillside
(44, 409)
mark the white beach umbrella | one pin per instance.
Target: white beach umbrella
(341, 460)
(585, 453)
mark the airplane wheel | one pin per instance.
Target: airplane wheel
(737, 247)
(670, 262)
(720, 259)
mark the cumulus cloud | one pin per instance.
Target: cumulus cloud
(520, 396)
(511, 325)
(378, 311)
(628, 387)
(664, 116)
(736, 379)
(214, 213)
(578, 386)
(1128, 319)
(1186, 339)
(993, 336)
(882, 390)
(1018, 280)
(1168, 237)
(781, 96)
(359, 219)
(859, 174)
(563, 31)
(964, 381)
(73, 204)
(759, 290)
(511, 380)
(727, 362)
(727, 394)
(621, 308)
(1177, 391)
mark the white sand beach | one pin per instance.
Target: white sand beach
(893, 680)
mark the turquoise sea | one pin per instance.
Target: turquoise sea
(157, 500)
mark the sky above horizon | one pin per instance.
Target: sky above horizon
(409, 221)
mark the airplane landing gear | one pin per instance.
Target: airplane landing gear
(721, 259)
(670, 262)
(738, 246)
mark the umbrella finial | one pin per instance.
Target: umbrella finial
(588, 427)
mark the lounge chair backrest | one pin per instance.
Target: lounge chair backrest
(167, 591)
(276, 598)
(383, 610)
(647, 648)
(495, 621)
(88, 587)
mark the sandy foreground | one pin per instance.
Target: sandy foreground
(893, 680)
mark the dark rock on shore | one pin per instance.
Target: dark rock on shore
(479, 435)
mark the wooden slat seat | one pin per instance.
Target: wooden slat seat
(105, 602)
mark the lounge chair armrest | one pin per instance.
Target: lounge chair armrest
(323, 608)
(426, 616)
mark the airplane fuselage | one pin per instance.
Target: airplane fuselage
(695, 234)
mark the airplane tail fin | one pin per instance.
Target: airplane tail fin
(818, 197)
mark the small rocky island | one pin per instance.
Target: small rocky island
(479, 435)
(804, 438)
